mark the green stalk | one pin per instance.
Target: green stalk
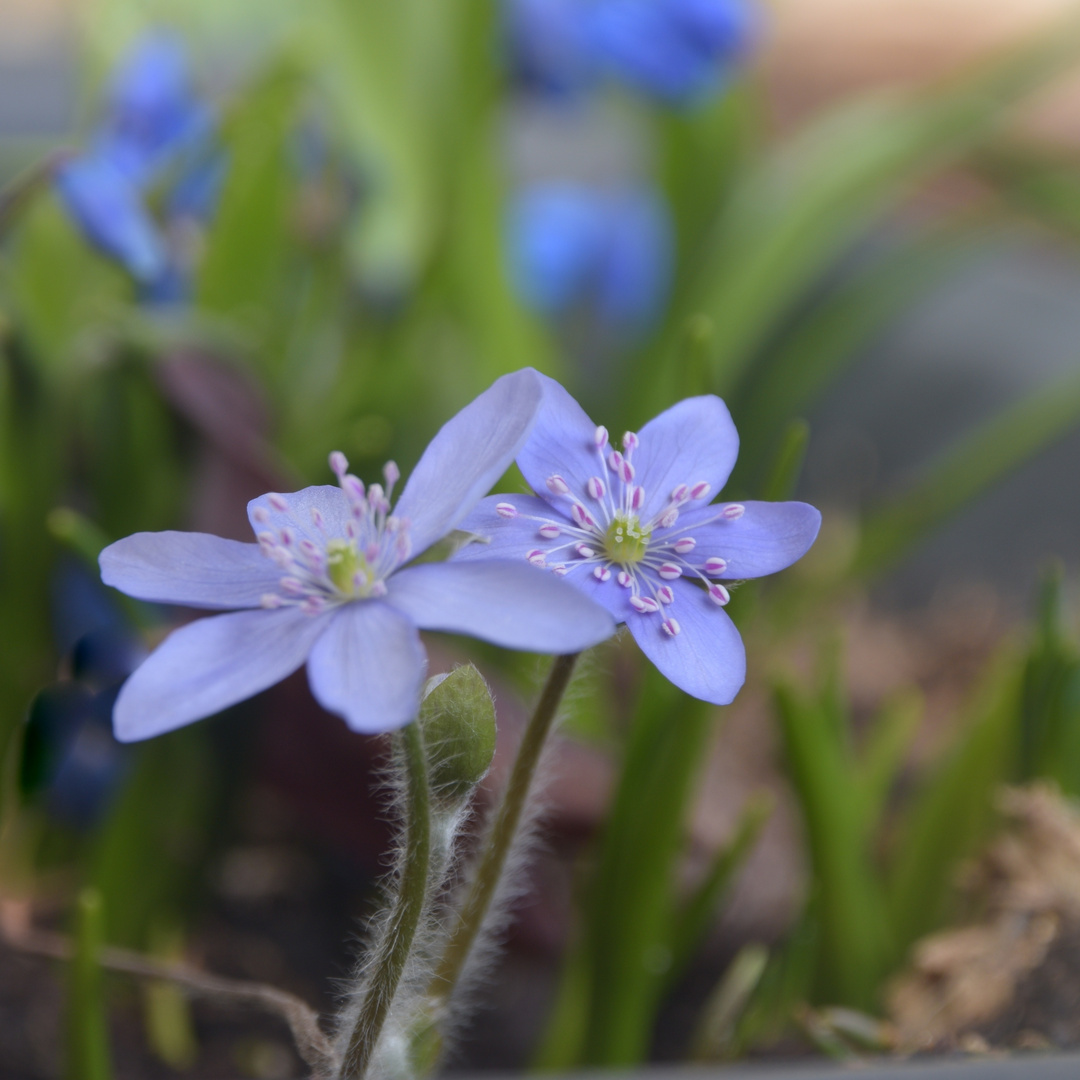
(396, 943)
(88, 1056)
(500, 838)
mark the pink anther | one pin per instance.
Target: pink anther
(601, 437)
(624, 579)
(278, 503)
(685, 544)
(557, 485)
(615, 462)
(630, 442)
(582, 517)
(669, 571)
(536, 557)
(626, 471)
(646, 605)
(561, 569)
(506, 510)
(549, 530)
(293, 586)
(733, 511)
(378, 589)
(680, 494)
(261, 515)
(595, 487)
(317, 518)
(601, 573)
(665, 594)
(313, 605)
(391, 473)
(637, 497)
(715, 566)
(718, 594)
(700, 490)
(353, 487)
(584, 551)
(669, 517)
(339, 463)
(287, 537)
(671, 627)
(270, 600)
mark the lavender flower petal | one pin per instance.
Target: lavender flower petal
(368, 667)
(110, 211)
(692, 441)
(195, 569)
(767, 538)
(210, 664)
(507, 603)
(500, 538)
(706, 658)
(328, 499)
(469, 453)
(562, 443)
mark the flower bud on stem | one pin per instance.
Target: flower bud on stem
(500, 837)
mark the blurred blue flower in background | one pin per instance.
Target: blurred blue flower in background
(156, 134)
(71, 760)
(608, 251)
(678, 51)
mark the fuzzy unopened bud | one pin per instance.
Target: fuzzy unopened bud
(457, 719)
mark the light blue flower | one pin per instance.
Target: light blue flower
(635, 530)
(677, 51)
(329, 583)
(155, 132)
(608, 251)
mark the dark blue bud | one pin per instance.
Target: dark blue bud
(152, 111)
(79, 605)
(678, 51)
(105, 657)
(109, 210)
(607, 251)
(90, 769)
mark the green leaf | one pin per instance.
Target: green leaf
(848, 905)
(725, 1006)
(953, 812)
(248, 242)
(694, 920)
(1050, 696)
(625, 952)
(887, 744)
(975, 461)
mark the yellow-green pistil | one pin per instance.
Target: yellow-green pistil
(626, 541)
(347, 568)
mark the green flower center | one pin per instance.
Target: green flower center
(347, 568)
(626, 540)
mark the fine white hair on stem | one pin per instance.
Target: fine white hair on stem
(513, 883)
(393, 1052)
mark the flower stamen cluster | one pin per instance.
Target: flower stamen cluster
(605, 532)
(331, 569)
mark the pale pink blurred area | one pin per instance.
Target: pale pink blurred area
(817, 52)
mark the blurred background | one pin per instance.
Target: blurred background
(236, 236)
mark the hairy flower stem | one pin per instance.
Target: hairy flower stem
(397, 939)
(500, 838)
